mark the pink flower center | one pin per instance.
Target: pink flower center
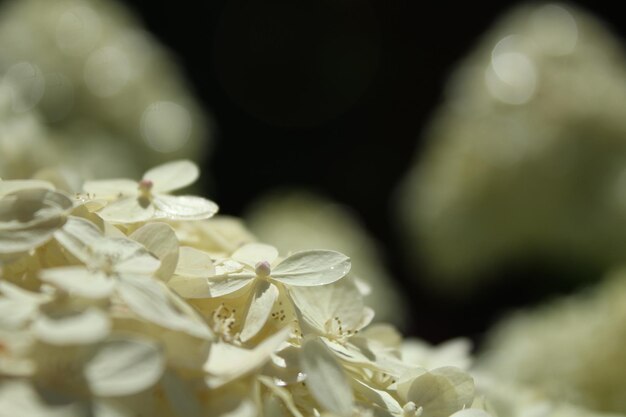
(262, 269)
(145, 186)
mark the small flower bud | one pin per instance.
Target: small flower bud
(263, 269)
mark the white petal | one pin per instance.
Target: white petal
(192, 273)
(18, 306)
(332, 309)
(253, 253)
(310, 268)
(19, 241)
(124, 367)
(77, 236)
(127, 210)
(190, 287)
(108, 189)
(123, 255)
(79, 281)
(149, 300)
(86, 327)
(228, 284)
(172, 175)
(227, 362)
(184, 207)
(194, 263)
(160, 239)
(325, 378)
(29, 218)
(263, 299)
(379, 397)
(442, 391)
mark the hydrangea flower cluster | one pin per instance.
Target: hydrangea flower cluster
(106, 94)
(528, 145)
(126, 300)
(527, 348)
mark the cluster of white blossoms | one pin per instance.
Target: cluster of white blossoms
(126, 300)
(528, 145)
(108, 96)
(571, 349)
(299, 220)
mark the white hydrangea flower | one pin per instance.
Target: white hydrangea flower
(527, 348)
(148, 199)
(112, 97)
(257, 264)
(300, 220)
(121, 318)
(502, 177)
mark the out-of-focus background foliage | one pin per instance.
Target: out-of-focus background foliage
(478, 175)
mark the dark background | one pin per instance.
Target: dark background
(332, 95)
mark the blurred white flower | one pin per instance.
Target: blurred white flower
(95, 76)
(526, 157)
(570, 349)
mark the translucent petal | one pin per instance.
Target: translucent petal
(28, 218)
(228, 284)
(173, 175)
(192, 273)
(124, 367)
(332, 309)
(253, 253)
(194, 263)
(79, 281)
(190, 287)
(183, 207)
(379, 397)
(108, 189)
(77, 236)
(87, 327)
(359, 352)
(18, 241)
(160, 239)
(150, 301)
(442, 391)
(127, 210)
(227, 362)
(310, 268)
(263, 299)
(385, 334)
(325, 379)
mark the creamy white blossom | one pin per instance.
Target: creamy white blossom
(149, 198)
(122, 310)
